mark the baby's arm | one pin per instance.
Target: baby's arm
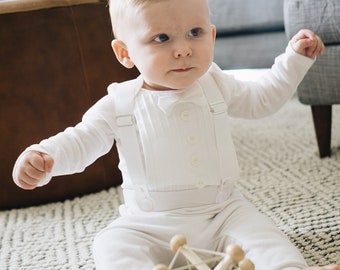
(70, 151)
(31, 168)
(306, 43)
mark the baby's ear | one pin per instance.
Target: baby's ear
(122, 54)
(213, 32)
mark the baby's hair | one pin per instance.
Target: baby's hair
(117, 9)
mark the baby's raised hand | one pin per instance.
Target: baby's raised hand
(307, 43)
(31, 168)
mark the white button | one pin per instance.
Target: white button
(200, 183)
(192, 139)
(146, 204)
(222, 196)
(144, 201)
(186, 115)
(195, 161)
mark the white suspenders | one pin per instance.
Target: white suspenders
(127, 132)
(124, 96)
(227, 156)
(129, 142)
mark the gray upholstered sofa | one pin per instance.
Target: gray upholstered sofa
(251, 35)
(321, 86)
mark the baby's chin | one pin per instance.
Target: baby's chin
(168, 86)
(174, 80)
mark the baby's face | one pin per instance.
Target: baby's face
(170, 42)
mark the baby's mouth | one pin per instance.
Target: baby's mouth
(182, 69)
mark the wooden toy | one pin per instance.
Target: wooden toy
(233, 259)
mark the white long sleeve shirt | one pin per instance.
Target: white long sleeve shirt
(175, 127)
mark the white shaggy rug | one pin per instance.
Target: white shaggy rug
(281, 173)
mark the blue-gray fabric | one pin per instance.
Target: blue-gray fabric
(238, 47)
(234, 16)
(250, 33)
(321, 86)
(249, 51)
(321, 16)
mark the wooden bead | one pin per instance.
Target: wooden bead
(177, 241)
(246, 264)
(160, 267)
(235, 252)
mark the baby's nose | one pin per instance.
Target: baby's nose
(183, 50)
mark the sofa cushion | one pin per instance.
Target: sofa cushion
(249, 51)
(322, 84)
(233, 16)
(323, 17)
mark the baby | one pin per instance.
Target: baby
(171, 129)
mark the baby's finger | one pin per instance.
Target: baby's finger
(311, 50)
(304, 34)
(27, 182)
(34, 173)
(319, 49)
(37, 161)
(302, 45)
(48, 162)
(26, 186)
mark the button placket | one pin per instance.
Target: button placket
(192, 139)
(190, 123)
(186, 115)
(195, 161)
(200, 183)
(144, 200)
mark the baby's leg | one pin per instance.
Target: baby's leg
(120, 248)
(263, 242)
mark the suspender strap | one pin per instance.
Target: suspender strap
(227, 156)
(128, 138)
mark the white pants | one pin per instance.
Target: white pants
(140, 240)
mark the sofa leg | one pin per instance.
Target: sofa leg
(322, 117)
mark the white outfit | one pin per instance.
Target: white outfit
(183, 187)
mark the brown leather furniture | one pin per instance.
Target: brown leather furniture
(55, 62)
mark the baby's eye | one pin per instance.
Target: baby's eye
(161, 38)
(195, 32)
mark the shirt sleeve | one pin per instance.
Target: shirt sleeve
(77, 147)
(270, 92)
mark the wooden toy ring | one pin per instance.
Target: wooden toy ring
(233, 259)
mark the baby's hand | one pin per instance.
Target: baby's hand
(305, 42)
(32, 168)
